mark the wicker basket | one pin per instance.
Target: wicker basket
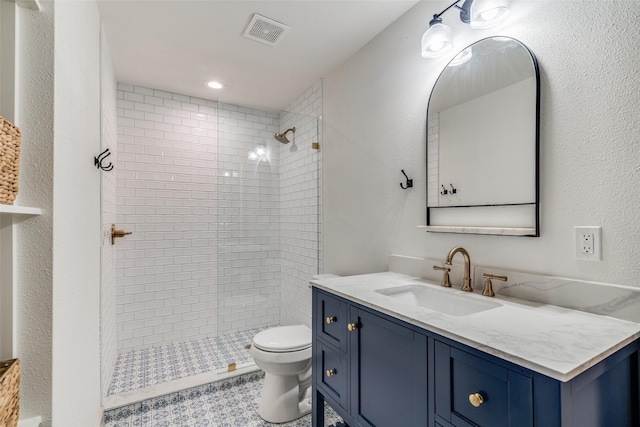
(9, 161)
(9, 392)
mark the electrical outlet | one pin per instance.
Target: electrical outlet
(586, 245)
(587, 242)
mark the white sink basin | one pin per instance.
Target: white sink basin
(437, 300)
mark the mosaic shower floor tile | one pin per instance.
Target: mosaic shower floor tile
(228, 403)
(139, 369)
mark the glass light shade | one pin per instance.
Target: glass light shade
(488, 13)
(462, 57)
(436, 41)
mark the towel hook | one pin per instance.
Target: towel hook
(409, 181)
(97, 161)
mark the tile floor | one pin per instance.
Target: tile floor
(228, 403)
(138, 369)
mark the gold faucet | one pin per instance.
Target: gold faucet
(466, 285)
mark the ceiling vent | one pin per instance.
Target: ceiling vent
(265, 30)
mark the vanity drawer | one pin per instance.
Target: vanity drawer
(331, 373)
(471, 391)
(331, 320)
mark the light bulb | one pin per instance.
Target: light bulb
(215, 85)
(437, 40)
(488, 13)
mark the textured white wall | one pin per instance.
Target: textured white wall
(108, 139)
(33, 254)
(374, 125)
(75, 364)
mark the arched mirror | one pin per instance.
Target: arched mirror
(482, 142)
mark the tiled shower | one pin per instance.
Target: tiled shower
(225, 221)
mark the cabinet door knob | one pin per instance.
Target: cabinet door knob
(352, 327)
(331, 372)
(476, 399)
(330, 319)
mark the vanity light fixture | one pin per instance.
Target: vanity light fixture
(480, 14)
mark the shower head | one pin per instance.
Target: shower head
(282, 136)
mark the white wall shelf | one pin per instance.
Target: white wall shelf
(510, 231)
(19, 210)
(9, 216)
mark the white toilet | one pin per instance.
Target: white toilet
(284, 354)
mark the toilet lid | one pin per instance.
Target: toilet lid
(283, 338)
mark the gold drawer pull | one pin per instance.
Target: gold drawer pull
(331, 319)
(476, 399)
(352, 327)
(331, 372)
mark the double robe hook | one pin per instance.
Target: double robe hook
(409, 181)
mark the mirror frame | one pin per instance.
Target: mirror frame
(491, 230)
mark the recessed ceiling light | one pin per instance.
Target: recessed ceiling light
(214, 85)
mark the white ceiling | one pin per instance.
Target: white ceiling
(179, 45)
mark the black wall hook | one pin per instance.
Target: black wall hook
(453, 190)
(444, 191)
(97, 161)
(409, 181)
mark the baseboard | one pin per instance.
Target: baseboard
(30, 422)
(99, 423)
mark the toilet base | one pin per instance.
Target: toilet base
(283, 399)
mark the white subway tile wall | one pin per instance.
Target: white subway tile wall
(177, 179)
(300, 213)
(433, 138)
(221, 224)
(248, 222)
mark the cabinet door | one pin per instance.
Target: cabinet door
(388, 373)
(473, 392)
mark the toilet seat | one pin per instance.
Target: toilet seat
(283, 339)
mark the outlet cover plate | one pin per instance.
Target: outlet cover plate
(594, 237)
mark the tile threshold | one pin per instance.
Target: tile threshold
(140, 395)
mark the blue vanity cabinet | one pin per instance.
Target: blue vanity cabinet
(473, 391)
(375, 375)
(606, 395)
(378, 371)
(388, 372)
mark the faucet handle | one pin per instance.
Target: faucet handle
(488, 289)
(445, 275)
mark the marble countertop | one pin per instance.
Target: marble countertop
(554, 341)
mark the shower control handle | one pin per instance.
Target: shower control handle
(117, 233)
(331, 319)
